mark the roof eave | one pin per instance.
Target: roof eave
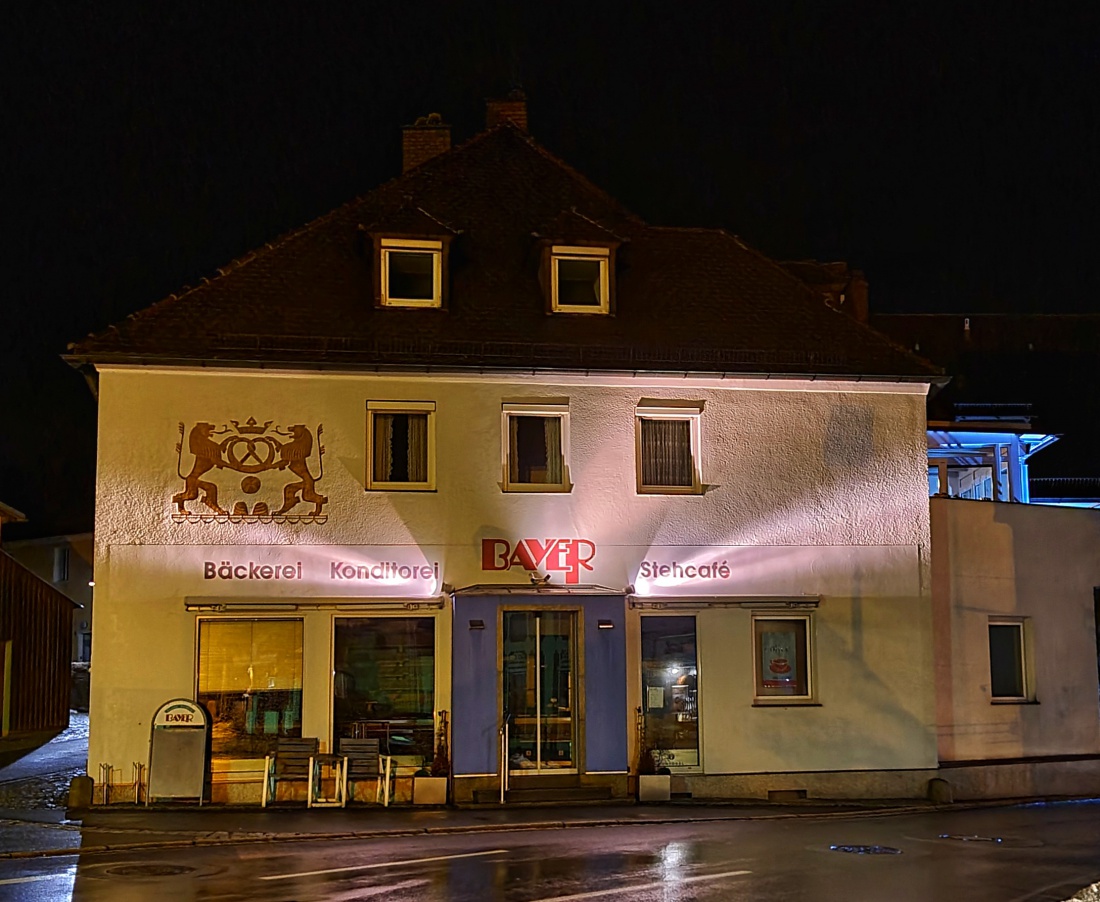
(317, 365)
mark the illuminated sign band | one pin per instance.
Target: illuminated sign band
(304, 571)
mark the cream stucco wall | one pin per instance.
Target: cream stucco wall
(813, 488)
(1035, 563)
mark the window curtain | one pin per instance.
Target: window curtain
(552, 436)
(513, 449)
(383, 447)
(418, 447)
(666, 453)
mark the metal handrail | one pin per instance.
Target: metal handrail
(504, 757)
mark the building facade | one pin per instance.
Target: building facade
(483, 442)
(1016, 599)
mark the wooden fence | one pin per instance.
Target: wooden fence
(35, 647)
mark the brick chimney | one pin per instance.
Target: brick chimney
(426, 138)
(858, 300)
(512, 108)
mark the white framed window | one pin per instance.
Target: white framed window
(411, 272)
(535, 448)
(401, 446)
(667, 440)
(1009, 673)
(580, 280)
(782, 654)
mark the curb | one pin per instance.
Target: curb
(250, 838)
(222, 838)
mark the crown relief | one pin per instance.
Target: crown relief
(269, 459)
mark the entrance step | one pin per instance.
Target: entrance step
(559, 795)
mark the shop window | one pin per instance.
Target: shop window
(383, 684)
(401, 439)
(411, 272)
(250, 682)
(1008, 677)
(667, 449)
(782, 659)
(579, 279)
(535, 447)
(670, 706)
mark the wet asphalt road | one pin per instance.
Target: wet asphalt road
(1044, 853)
(1034, 853)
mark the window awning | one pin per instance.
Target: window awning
(484, 589)
(748, 602)
(203, 603)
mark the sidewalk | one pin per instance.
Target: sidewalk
(34, 823)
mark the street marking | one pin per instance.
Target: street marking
(383, 864)
(12, 880)
(667, 884)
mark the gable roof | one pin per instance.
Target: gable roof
(696, 300)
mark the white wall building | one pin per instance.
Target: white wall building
(484, 442)
(1015, 598)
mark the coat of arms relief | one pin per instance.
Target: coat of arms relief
(267, 457)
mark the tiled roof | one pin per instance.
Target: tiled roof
(695, 300)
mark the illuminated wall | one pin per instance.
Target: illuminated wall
(812, 488)
(1015, 563)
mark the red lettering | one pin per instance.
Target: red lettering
(522, 556)
(540, 552)
(492, 557)
(569, 555)
(575, 560)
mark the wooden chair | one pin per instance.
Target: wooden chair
(292, 762)
(364, 761)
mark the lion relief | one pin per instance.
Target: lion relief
(267, 458)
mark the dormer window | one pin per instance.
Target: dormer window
(411, 272)
(580, 280)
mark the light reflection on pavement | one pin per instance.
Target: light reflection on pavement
(40, 779)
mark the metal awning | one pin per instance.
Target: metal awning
(203, 603)
(487, 589)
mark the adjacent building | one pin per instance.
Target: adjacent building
(484, 442)
(35, 623)
(65, 562)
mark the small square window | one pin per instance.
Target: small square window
(782, 656)
(401, 443)
(579, 279)
(667, 449)
(411, 273)
(535, 446)
(1008, 677)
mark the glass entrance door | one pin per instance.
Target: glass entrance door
(540, 690)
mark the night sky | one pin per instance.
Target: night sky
(948, 154)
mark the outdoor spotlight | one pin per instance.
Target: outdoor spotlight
(605, 624)
(477, 624)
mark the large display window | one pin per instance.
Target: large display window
(250, 682)
(383, 684)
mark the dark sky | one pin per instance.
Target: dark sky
(949, 154)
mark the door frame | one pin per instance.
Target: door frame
(535, 605)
